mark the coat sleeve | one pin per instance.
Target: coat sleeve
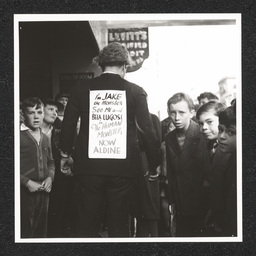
(149, 136)
(23, 180)
(157, 126)
(50, 163)
(70, 120)
(170, 175)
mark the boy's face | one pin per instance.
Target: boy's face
(209, 122)
(64, 101)
(33, 117)
(227, 138)
(180, 115)
(50, 114)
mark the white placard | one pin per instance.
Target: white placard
(108, 124)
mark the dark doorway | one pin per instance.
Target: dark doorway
(39, 41)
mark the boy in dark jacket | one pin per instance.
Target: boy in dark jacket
(208, 119)
(36, 171)
(184, 152)
(227, 144)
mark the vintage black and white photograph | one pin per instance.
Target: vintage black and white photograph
(128, 128)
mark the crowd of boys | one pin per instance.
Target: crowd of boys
(184, 187)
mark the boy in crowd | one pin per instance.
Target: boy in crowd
(63, 99)
(206, 97)
(227, 144)
(36, 171)
(51, 111)
(184, 152)
(208, 119)
(59, 217)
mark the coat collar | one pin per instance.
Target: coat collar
(191, 141)
(23, 127)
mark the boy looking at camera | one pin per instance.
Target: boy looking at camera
(227, 144)
(60, 201)
(36, 171)
(184, 151)
(208, 119)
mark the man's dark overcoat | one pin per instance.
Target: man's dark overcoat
(137, 109)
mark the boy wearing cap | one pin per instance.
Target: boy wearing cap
(107, 180)
(63, 99)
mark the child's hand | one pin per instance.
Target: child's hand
(34, 186)
(47, 185)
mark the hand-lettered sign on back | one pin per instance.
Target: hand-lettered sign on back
(108, 124)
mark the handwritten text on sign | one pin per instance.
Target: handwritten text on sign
(107, 120)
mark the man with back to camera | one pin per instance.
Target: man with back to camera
(105, 180)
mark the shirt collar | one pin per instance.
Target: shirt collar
(109, 72)
(49, 132)
(23, 127)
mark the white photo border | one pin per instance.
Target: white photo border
(97, 17)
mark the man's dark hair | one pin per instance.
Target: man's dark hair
(208, 95)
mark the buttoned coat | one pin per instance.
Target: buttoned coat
(215, 177)
(229, 219)
(185, 170)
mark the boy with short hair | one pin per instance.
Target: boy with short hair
(206, 97)
(36, 171)
(208, 119)
(184, 152)
(59, 213)
(227, 144)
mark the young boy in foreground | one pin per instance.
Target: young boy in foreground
(184, 152)
(36, 171)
